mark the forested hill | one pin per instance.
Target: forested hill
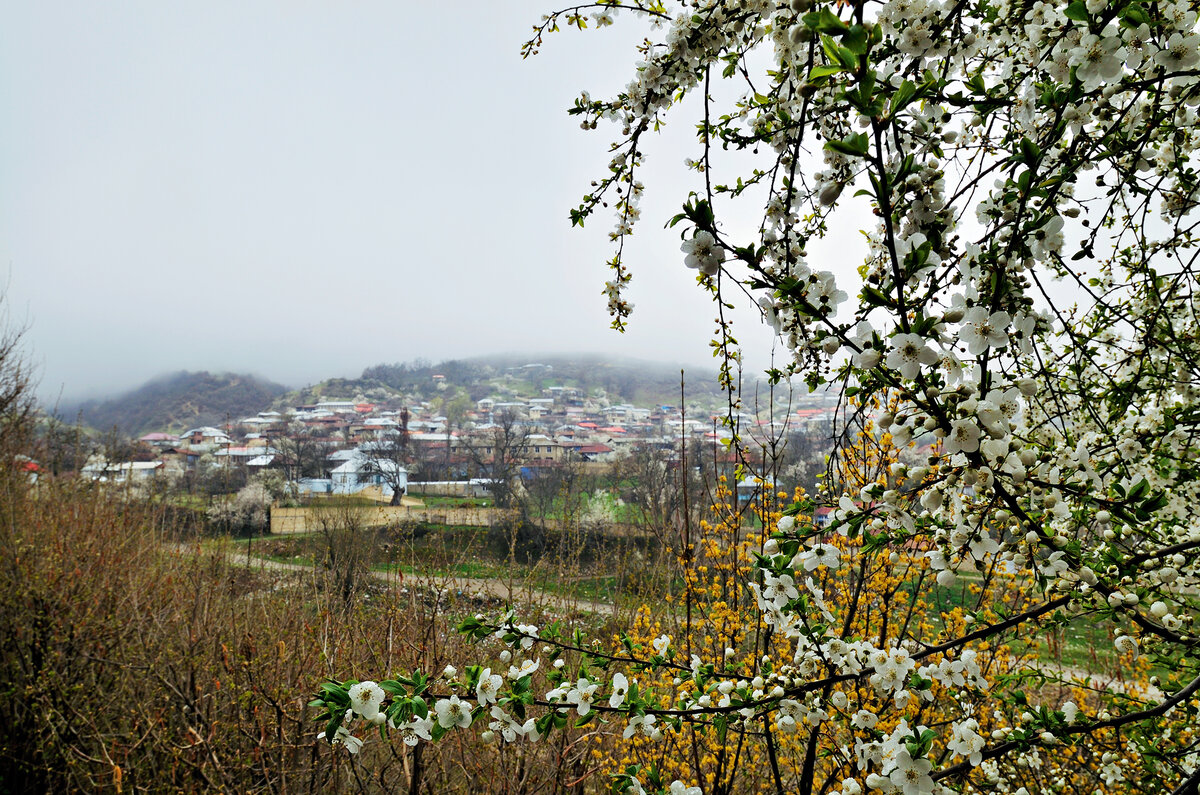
(181, 400)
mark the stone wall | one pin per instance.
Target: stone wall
(306, 520)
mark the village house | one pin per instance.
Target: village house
(360, 472)
(337, 406)
(242, 455)
(589, 451)
(207, 437)
(540, 450)
(123, 472)
(159, 439)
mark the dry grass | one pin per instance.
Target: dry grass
(133, 661)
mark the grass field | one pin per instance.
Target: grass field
(436, 550)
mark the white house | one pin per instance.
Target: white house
(206, 436)
(135, 471)
(337, 406)
(359, 472)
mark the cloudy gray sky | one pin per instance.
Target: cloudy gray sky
(301, 188)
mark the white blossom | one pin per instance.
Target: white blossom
(703, 253)
(452, 712)
(488, 687)
(366, 698)
(982, 330)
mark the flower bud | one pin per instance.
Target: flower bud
(830, 193)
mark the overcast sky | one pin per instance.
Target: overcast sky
(301, 189)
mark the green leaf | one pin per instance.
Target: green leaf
(875, 297)
(846, 57)
(544, 723)
(855, 145)
(825, 70)
(855, 40)
(1156, 502)
(1030, 152)
(825, 21)
(1139, 489)
(904, 95)
(1134, 15)
(838, 54)
(1077, 11)
(331, 728)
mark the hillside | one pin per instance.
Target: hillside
(181, 400)
(621, 379)
(186, 399)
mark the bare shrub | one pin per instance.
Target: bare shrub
(347, 550)
(132, 662)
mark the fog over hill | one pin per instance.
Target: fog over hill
(186, 399)
(178, 401)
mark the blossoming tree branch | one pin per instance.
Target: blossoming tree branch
(1039, 454)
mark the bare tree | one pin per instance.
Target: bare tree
(497, 452)
(347, 548)
(558, 491)
(17, 401)
(456, 411)
(62, 447)
(388, 458)
(302, 451)
(651, 477)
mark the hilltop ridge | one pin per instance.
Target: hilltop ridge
(180, 400)
(185, 399)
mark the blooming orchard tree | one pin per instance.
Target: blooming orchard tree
(998, 154)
